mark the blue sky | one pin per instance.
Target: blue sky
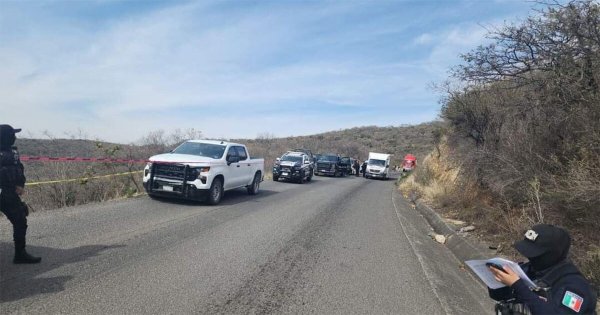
(116, 70)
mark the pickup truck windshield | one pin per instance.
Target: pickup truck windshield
(376, 162)
(328, 158)
(214, 151)
(291, 158)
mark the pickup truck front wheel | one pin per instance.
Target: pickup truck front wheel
(215, 193)
(253, 188)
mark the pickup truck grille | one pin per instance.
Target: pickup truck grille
(323, 166)
(285, 169)
(174, 171)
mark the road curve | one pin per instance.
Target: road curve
(334, 245)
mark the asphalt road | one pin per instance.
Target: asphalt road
(332, 246)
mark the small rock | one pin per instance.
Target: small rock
(467, 229)
(456, 222)
(440, 239)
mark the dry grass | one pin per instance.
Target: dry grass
(439, 182)
(433, 180)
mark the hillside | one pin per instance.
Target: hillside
(354, 142)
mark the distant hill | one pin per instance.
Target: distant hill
(354, 142)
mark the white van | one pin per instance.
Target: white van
(378, 165)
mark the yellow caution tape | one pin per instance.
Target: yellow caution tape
(80, 179)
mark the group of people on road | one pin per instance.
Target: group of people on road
(359, 168)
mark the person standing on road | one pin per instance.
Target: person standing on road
(12, 186)
(356, 167)
(364, 169)
(563, 289)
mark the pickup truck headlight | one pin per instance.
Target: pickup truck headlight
(201, 170)
(147, 169)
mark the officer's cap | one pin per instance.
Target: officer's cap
(9, 129)
(541, 239)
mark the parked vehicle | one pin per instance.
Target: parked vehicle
(294, 166)
(307, 152)
(316, 158)
(345, 166)
(378, 165)
(328, 164)
(203, 170)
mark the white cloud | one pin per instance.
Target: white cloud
(424, 39)
(131, 75)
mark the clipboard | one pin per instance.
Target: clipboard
(483, 272)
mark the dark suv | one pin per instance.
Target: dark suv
(346, 166)
(307, 152)
(294, 166)
(329, 164)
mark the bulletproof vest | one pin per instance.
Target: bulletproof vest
(9, 168)
(557, 272)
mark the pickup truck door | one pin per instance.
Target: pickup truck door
(246, 169)
(239, 173)
(231, 171)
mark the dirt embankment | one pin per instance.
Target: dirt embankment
(439, 181)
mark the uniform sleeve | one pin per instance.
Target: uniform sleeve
(501, 294)
(575, 297)
(559, 303)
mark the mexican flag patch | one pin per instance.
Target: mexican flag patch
(572, 301)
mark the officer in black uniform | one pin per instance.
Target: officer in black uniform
(364, 169)
(562, 287)
(12, 185)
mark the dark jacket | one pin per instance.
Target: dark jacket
(567, 292)
(12, 172)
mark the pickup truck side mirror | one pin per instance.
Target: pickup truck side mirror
(232, 159)
(278, 159)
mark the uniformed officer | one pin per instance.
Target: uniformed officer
(562, 287)
(12, 186)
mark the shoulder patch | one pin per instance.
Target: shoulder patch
(572, 301)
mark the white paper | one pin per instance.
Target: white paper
(484, 273)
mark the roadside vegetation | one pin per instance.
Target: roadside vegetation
(522, 140)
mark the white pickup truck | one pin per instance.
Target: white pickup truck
(203, 170)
